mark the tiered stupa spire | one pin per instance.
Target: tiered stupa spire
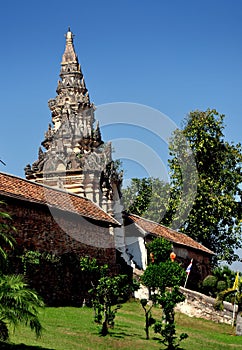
(75, 155)
(72, 92)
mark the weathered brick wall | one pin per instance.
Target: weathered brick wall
(201, 266)
(59, 284)
(61, 234)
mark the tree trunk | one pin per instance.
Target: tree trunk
(104, 330)
(147, 325)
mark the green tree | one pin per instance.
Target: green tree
(160, 248)
(107, 292)
(164, 280)
(147, 197)
(18, 303)
(215, 216)
(159, 277)
(110, 292)
(93, 273)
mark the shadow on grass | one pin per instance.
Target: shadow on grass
(121, 334)
(11, 346)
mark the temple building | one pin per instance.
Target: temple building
(73, 156)
(70, 202)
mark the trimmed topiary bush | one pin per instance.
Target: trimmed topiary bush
(209, 285)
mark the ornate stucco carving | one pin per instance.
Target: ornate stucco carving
(73, 143)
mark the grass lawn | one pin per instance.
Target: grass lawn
(68, 328)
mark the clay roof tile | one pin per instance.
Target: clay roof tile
(16, 187)
(167, 233)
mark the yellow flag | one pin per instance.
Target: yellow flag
(236, 282)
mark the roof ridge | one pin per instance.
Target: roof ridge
(137, 216)
(157, 223)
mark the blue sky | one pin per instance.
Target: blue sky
(172, 56)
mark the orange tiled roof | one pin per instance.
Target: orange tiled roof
(15, 187)
(169, 234)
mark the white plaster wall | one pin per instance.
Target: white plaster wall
(136, 248)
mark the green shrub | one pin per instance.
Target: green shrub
(221, 285)
(209, 285)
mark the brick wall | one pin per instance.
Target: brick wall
(201, 266)
(63, 234)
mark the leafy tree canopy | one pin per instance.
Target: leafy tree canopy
(203, 198)
(160, 248)
(215, 217)
(163, 275)
(147, 197)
